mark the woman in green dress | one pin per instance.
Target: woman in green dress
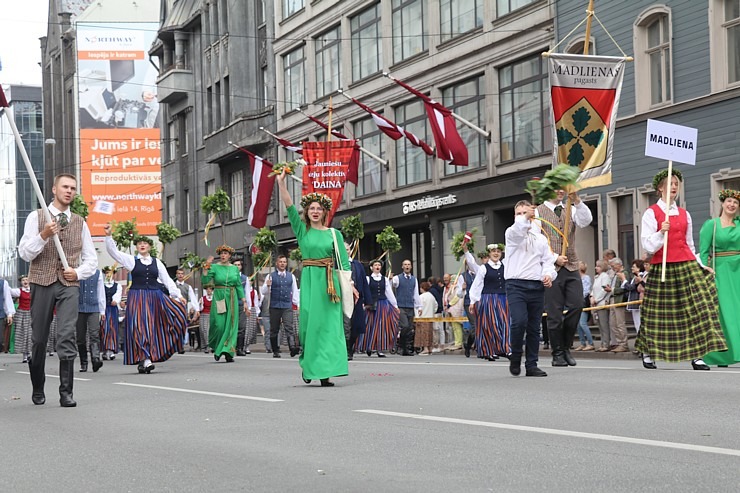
(227, 297)
(321, 327)
(719, 248)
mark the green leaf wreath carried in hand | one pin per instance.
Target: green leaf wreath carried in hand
(353, 230)
(124, 232)
(167, 234)
(459, 243)
(289, 168)
(79, 206)
(389, 242)
(562, 177)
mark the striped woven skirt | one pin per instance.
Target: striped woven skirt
(251, 337)
(109, 330)
(680, 317)
(205, 325)
(492, 326)
(381, 327)
(155, 326)
(22, 321)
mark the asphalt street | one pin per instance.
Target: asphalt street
(439, 423)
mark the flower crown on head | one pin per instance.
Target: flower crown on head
(729, 193)
(139, 238)
(663, 174)
(496, 246)
(225, 248)
(320, 198)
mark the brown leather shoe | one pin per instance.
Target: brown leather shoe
(620, 349)
(602, 349)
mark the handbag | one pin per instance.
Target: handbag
(345, 280)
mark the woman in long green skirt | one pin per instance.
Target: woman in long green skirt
(321, 326)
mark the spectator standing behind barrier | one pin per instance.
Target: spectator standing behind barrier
(599, 297)
(584, 332)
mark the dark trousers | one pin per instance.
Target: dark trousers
(469, 333)
(526, 301)
(284, 315)
(2, 334)
(566, 292)
(406, 325)
(88, 329)
(241, 335)
(43, 301)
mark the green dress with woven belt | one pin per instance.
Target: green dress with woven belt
(725, 243)
(224, 326)
(321, 325)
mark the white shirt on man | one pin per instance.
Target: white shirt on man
(528, 255)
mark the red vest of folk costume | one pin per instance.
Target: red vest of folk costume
(678, 249)
(24, 301)
(207, 305)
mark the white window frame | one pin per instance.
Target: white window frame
(718, 183)
(357, 33)
(642, 58)
(718, 53)
(323, 50)
(236, 187)
(292, 101)
(448, 20)
(291, 7)
(401, 19)
(171, 211)
(576, 46)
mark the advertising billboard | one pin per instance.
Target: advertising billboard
(120, 160)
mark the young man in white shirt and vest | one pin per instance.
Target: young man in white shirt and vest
(90, 312)
(529, 273)
(53, 286)
(283, 291)
(409, 302)
(567, 289)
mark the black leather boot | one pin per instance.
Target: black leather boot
(568, 357)
(558, 353)
(66, 379)
(82, 351)
(38, 378)
(97, 363)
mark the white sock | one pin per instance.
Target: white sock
(147, 362)
(699, 361)
(646, 358)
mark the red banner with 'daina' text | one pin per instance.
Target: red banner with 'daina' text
(326, 169)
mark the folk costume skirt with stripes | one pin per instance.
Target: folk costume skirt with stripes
(251, 336)
(492, 326)
(381, 327)
(22, 321)
(680, 317)
(205, 325)
(155, 326)
(109, 330)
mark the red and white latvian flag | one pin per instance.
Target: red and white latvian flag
(262, 187)
(584, 92)
(285, 143)
(394, 131)
(3, 101)
(450, 146)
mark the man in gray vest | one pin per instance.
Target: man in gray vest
(53, 286)
(409, 302)
(7, 310)
(567, 288)
(283, 291)
(91, 311)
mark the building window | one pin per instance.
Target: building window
(371, 174)
(295, 188)
(217, 107)
(412, 164)
(294, 79)
(576, 47)
(188, 212)
(724, 32)
(625, 227)
(468, 100)
(652, 40)
(236, 182)
(227, 100)
(366, 47)
(328, 63)
(171, 211)
(506, 6)
(451, 228)
(225, 18)
(214, 21)
(209, 110)
(172, 136)
(525, 124)
(409, 29)
(290, 7)
(460, 16)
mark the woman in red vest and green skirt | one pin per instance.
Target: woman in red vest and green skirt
(680, 317)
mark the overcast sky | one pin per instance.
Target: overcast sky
(24, 22)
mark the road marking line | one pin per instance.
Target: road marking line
(551, 431)
(56, 376)
(202, 392)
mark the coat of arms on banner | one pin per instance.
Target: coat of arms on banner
(584, 94)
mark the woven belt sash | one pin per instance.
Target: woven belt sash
(326, 263)
(726, 254)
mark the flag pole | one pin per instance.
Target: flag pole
(35, 183)
(667, 199)
(457, 117)
(589, 17)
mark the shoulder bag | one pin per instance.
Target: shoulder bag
(345, 280)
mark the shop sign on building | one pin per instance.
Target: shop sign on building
(429, 202)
